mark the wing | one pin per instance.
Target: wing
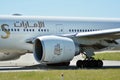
(111, 34)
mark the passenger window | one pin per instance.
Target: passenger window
(75, 30)
(30, 30)
(44, 30)
(14, 29)
(27, 30)
(8, 29)
(61, 30)
(11, 29)
(18, 30)
(72, 30)
(80, 30)
(33, 30)
(69, 30)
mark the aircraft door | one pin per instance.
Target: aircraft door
(59, 28)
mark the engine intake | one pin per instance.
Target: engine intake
(38, 49)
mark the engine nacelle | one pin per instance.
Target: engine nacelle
(54, 49)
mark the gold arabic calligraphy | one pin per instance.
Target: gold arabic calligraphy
(27, 24)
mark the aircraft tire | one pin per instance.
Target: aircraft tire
(89, 63)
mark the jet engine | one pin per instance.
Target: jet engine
(54, 49)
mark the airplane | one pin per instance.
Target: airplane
(55, 41)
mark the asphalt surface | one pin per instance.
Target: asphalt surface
(28, 63)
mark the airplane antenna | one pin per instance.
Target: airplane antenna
(16, 14)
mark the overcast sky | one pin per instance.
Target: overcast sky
(80, 8)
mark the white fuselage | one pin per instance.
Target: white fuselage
(21, 28)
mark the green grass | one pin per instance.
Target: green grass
(80, 74)
(108, 56)
(89, 74)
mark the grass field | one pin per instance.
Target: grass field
(108, 56)
(81, 74)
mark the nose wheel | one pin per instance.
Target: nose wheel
(89, 63)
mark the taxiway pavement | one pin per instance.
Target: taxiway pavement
(28, 63)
